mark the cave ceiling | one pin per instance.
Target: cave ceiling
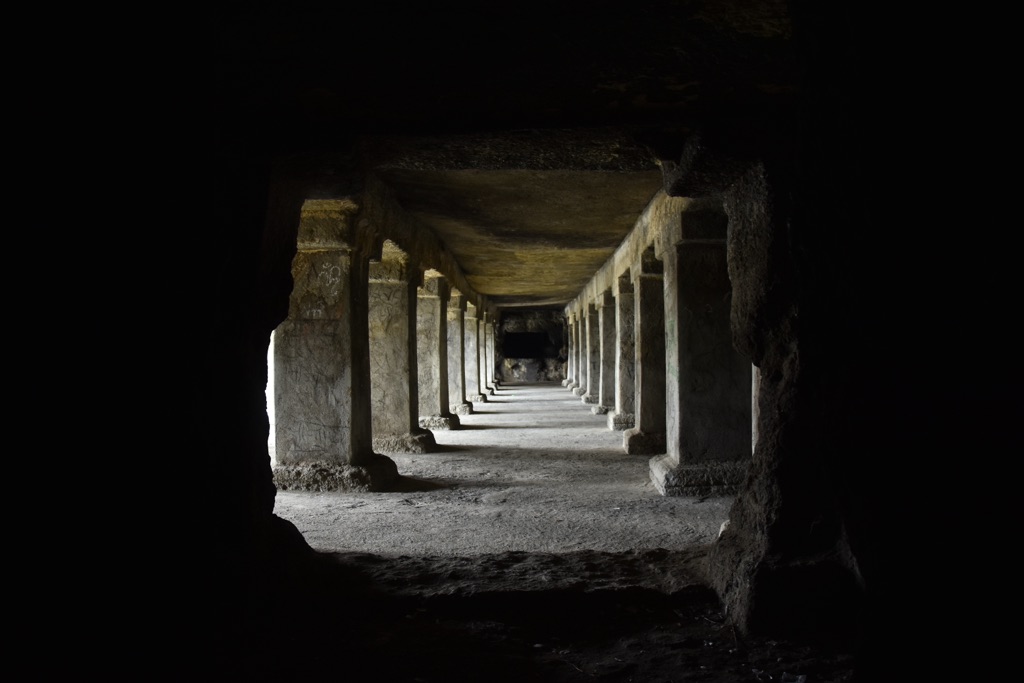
(530, 136)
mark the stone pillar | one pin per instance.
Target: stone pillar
(581, 355)
(647, 437)
(394, 376)
(481, 352)
(707, 416)
(573, 380)
(570, 366)
(798, 521)
(755, 389)
(492, 348)
(593, 355)
(495, 375)
(457, 355)
(625, 379)
(606, 348)
(321, 364)
(472, 347)
(486, 387)
(432, 353)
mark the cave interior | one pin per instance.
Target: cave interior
(525, 144)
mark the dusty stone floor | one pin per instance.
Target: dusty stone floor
(531, 470)
(529, 548)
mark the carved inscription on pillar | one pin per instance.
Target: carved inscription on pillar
(311, 397)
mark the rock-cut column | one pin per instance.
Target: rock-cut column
(492, 353)
(708, 430)
(321, 363)
(394, 393)
(483, 347)
(647, 437)
(581, 355)
(432, 353)
(625, 378)
(570, 365)
(457, 355)
(606, 351)
(592, 356)
(574, 356)
(472, 349)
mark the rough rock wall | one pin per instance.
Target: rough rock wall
(784, 564)
(532, 370)
(801, 553)
(546, 369)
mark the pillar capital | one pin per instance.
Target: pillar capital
(434, 285)
(649, 264)
(456, 301)
(703, 222)
(327, 224)
(624, 284)
(395, 265)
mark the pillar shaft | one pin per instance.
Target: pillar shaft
(492, 346)
(581, 355)
(572, 380)
(472, 349)
(606, 348)
(593, 355)
(481, 353)
(708, 430)
(625, 377)
(432, 354)
(568, 361)
(394, 372)
(483, 347)
(321, 365)
(313, 365)
(647, 437)
(459, 405)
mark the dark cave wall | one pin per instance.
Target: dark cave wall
(798, 555)
(876, 384)
(811, 549)
(248, 266)
(787, 563)
(548, 362)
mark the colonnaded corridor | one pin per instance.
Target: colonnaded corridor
(528, 547)
(531, 470)
(715, 220)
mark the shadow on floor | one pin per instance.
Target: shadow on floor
(413, 485)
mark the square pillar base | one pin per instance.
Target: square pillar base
(697, 480)
(462, 408)
(421, 441)
(618, 422)
(638, 443)
(442, 422)
(379, 473)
